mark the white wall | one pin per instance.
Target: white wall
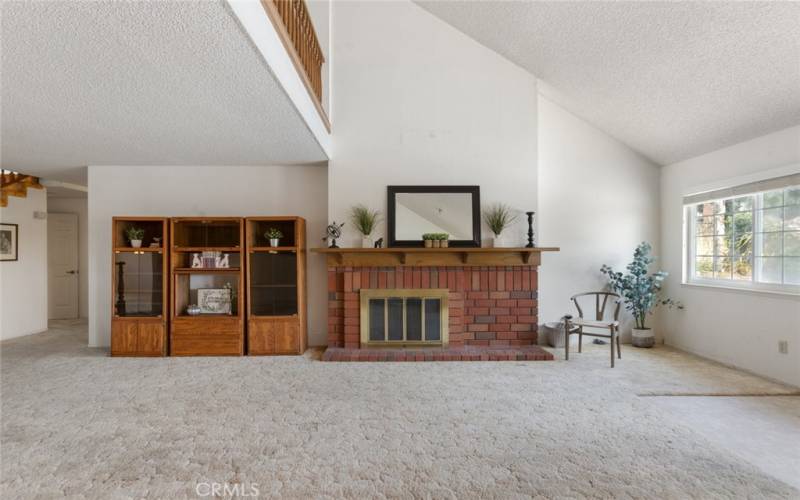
(198, 191)
(734, 327)
(418, 102)
(598, 199)
(80, 207)
(23, 283)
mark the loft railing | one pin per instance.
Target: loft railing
(293, 15)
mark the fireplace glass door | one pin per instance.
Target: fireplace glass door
(404, 317)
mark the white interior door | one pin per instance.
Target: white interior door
(62, 265)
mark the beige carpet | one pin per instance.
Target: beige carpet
(80, 424)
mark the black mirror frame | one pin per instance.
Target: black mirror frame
(391, 200)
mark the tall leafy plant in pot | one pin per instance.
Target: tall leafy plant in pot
(640, 291)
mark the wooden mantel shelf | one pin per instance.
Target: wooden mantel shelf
(417, 256)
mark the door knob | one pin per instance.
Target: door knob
(72, 272)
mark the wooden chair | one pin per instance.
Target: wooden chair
(602, 300)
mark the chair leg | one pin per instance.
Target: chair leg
(566, 339)
(619, 349)
(612, 347)
(580, 340)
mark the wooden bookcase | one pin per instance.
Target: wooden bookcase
(139, 288)
(276, 287)
(207, 333)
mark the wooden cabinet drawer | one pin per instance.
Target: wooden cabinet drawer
(203, 345)
(206, 337)
(207, 326)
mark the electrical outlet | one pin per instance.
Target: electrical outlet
(783, 346)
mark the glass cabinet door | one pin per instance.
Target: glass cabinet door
(207, 234)
(273, 283)
(138, 280)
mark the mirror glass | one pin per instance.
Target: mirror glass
(420, 213)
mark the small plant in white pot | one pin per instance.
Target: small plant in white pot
(365, 220)
(640, 292)
(498, 217)
(135, 235)
(274, 236)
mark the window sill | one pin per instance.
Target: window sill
(793, 294)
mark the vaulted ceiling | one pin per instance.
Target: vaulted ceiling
(139, 83)
(673, 80)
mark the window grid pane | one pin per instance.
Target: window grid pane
(753, 238)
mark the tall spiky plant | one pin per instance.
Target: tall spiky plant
(498, 217)
(365, 219)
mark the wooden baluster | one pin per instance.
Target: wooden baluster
(299, 27)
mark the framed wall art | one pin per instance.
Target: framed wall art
(9, 242)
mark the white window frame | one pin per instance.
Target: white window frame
(690, 253)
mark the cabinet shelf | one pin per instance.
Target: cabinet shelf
(138, 250)
(207, 249)
(206, 270)
(206, 316)
(273, 249)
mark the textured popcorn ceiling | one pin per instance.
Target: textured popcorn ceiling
(137, 83)
(672, 80)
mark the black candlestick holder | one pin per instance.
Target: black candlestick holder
(530, 229)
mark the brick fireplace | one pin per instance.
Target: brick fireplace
(491, 298)
(487, 305)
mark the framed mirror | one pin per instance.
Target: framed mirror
(415, 210)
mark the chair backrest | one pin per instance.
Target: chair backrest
(602, 300)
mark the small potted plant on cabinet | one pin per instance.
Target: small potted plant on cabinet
(443, 239)
(365, 220)
(135, 235)
(640, 292)
(498, 217)
(274, 236)
(428, 239)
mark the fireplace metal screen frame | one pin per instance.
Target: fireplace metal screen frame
(442, 294)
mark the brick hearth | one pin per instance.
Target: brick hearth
(490, 306)
(465, 353)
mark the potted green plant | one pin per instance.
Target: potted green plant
(135, 235)
(427, 239)
(274, 236)
(442, 240)
(498, 217)
(641, 292)
(365, 220)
